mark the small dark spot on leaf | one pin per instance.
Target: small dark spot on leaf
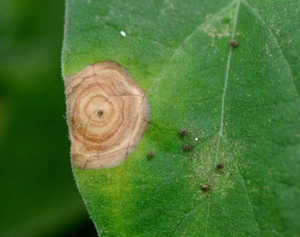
(205, 187)
(151, 154)
(183, 132)
(187, 147)
(100, 112)
(234, 43)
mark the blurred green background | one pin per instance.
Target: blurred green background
(38, 193)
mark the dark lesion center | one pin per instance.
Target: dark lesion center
(100, 113)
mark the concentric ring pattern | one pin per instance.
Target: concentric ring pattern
(108, 114)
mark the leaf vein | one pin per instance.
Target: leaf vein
(223, 103)
(243, 182)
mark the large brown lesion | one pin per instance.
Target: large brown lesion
(108, 113)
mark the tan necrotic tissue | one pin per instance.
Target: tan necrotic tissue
(108, 113)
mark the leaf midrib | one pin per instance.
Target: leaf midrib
(221, 130)
(175, 52)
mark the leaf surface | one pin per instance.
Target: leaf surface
(240, 105)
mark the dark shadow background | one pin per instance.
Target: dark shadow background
(38, 194)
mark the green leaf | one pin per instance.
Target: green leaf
(239, 104)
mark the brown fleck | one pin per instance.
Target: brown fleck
(234, 43)
(183, 132)
(187, 147)
(205, 187)
(220, 166)
(151, 154)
